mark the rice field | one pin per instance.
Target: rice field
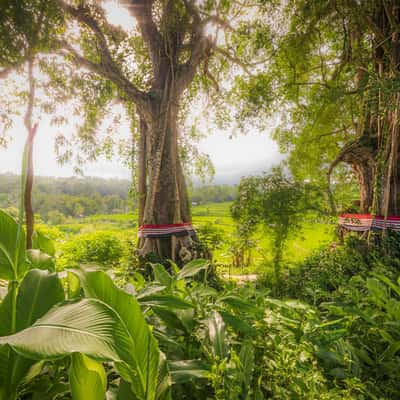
(313, 235)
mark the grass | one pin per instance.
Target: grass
(313, 235)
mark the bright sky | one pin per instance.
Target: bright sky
(232, 157)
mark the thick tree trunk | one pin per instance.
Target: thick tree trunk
(360, 155)
(365, 173)
(163, 199)
(387, 196)
(375, 155)
(177, 44)
(388, 183)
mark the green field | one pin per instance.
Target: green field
(313, 234)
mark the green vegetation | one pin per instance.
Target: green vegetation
(329, 332)
(57, 199)
(85, 314)
(213, 221)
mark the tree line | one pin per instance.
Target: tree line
(57, 198)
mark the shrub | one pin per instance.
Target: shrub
(330, 272)
(277, 203)
(211, 236)
(355, 290)
(100, 248)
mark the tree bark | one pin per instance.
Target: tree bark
(141, 165)
(375, 154)
(360, 155)
(387, 196)
(168, 202)
(29, 214)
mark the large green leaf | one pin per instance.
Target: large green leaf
(12, 248)
(88, 326)
(38, 292)
(125, 391)
(161, 275)
(192, 268)
(164, 380)
(145, 354)
(87, 378)
(170, 318)
(41, 260)
(7, 389)
(43, 243)
(238, 324)
(217, 334)
(168, 301)
(163, 386)
(239, 304)
(188, 370)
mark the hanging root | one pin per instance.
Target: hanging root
(145, 246)
(359, 154)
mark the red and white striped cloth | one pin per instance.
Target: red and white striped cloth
(365, 222)
(160, 231)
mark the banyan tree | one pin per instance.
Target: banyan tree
(374, 154)
(176, 47)
(336, 73)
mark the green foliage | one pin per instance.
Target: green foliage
(38, 292)
(212, 194)
(144, 355)
(275, 202)
(327, 273)
(12, 248)
(57, 198)
(87, 378)
(175, 337)
(356, 292)
(211, 236)
(99, 248)
(27, 27)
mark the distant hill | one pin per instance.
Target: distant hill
(57, 198)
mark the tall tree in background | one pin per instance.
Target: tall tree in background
(374, 154)
(26, 29)
(31, 129)
(335, 70)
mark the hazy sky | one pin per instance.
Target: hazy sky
(232, 158)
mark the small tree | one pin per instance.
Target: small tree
(274, 201)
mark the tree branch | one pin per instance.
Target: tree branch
(199, 48)
(234, 59)
(108, 72)
(142, 11)
(208, 74)
(186, 72)
(219, 21)
(107, 68)
(193, 11)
